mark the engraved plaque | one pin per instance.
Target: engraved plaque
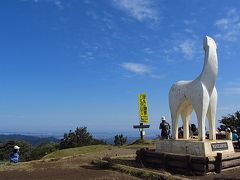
(219, 146)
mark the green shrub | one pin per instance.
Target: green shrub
(119, 140)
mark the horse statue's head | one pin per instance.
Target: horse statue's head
(209, 42)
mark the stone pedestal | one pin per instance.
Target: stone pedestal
(194, 147)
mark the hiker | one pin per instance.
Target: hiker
(14, 156)
(180, 132)
(165, 128)
(235, 139)
(228, 134)
(235, 135)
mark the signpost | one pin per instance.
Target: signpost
(143, 115)
(143, 110)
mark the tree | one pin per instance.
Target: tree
(80, 137)
(119, 140)
(43, 149)
(83, 137)
(231, 121)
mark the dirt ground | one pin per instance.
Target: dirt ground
(80, 167)
(83, 172)
(73, 168)
(233, 173)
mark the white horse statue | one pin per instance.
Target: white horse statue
(199, 95)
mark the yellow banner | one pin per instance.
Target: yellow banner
(143, 110)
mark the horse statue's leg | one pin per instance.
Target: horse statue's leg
(211, 115)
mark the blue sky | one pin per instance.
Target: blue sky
(69, 63)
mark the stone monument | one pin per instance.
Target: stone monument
(199, 95)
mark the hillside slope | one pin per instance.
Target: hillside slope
(62, 165)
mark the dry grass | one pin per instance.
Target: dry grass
(76, 151)
(137, 172)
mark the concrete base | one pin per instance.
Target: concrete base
(194, 147)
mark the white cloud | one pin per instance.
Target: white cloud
(231, 88)
(189, 22)
(139, 9)
(187, 48)
(231, 91)
(223, 23)
(158, 76)
(148, 50)
(229, 26)
(182, 47)
(136, 68)
(227, 108)
(57, 3)
(188, 30)
(142, 69)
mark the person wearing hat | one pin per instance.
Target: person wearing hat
(165, 128)
(14, 156)
(228, 134)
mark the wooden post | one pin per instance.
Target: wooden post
(189, 164)
(218, 163)
(141, 127)
(141, 132)
(164, 158)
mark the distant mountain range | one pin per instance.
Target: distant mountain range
(33, 140)
(37, 138)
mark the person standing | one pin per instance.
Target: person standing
(14, 156)
(235, 135)
(165, 128)
(228, 134)
(235, 139)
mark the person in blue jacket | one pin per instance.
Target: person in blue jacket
(14, 156)
(235, 135)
